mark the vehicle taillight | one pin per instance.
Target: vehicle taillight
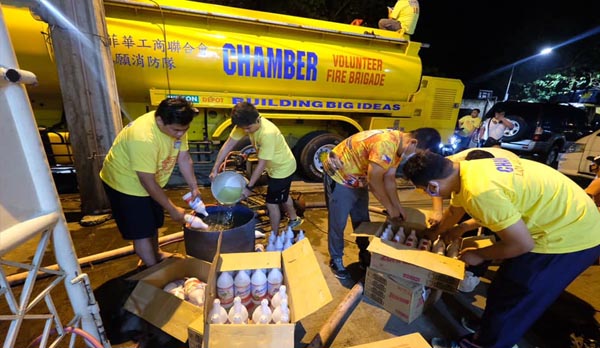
(537, 135)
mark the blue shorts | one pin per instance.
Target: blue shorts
(136, 217)
(278, 190)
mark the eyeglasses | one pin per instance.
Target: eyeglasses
(433, 188)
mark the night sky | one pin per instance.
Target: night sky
(471, 39)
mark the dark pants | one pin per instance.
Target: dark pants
(523, 288)
(341, 202)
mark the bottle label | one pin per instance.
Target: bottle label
(244, 293)
(259, 292)
(273, 288)
(226, 296)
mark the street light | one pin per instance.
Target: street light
(543, 52)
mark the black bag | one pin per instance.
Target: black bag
(489, 142)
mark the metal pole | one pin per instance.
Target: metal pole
(512, 71)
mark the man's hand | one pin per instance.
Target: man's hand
(246, 193)
(177, 214)
(470, 256)
(395, 222)
(212, 175)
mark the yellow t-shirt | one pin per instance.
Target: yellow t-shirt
(270, 146)
(141, 147)
(348, 162)
(469, 124)
(407, 13)
(498, 192)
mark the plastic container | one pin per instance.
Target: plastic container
(202, 244)
(225, 291)
(218, 314)
(227, 187)
(262, 314)
(279, 296)
(242, 287)
(281, 314)
(274, 281)
(259, 286)
(238, 314)
(194, 222)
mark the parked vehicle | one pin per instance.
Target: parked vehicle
(542, 130)
(575, 163)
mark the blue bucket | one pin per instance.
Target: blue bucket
(239, 239)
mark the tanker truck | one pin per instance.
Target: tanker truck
(318, 81)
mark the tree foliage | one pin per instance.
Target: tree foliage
(582, 72)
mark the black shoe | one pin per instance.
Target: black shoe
(338, 269)
(364, 259)
(469, 324)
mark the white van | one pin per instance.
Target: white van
(575, 163)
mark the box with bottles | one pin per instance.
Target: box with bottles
(306, 288)
(162, 309)
(407, 261)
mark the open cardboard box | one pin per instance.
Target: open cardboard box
(413, 340)
(162, 309)
(407, 263)
(307, 293)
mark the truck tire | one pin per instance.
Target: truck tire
(307, 152)
(518, 132)
(551, 158)
(245, 147)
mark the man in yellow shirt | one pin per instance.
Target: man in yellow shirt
(274, 156)
(548, 228)
(403, 16)
(137, 167)
(468, 124)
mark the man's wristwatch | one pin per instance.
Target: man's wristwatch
(249, 187)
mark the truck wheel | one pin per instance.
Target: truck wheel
(519, 130)
(245, 147)
(552, 157)
(308, 149)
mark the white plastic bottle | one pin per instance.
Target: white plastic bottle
(411, 240)
(242, 287)
(288, 243)
(238, 314)
(279, 243)
(386, 234)
(289, 233)
(195, 222)
(439, 247)
(195, 204)
(272, 237)
(225, 289)
(194, 291)
(271, 245)
(259, 286)
(172, 285)
(218, 314)
(274, 281)
(281, 314)
(300, 236)
(262, 314)
(279, 297)
(399, 237)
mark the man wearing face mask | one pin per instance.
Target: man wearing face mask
(547, 227)
(366, 161)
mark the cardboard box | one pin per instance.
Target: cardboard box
(404, 299)
(307, 293)
(162, 309)
(407, 263)
(413, 340)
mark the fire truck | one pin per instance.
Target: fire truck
(318, 81)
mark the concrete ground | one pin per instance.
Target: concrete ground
(574, 315)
